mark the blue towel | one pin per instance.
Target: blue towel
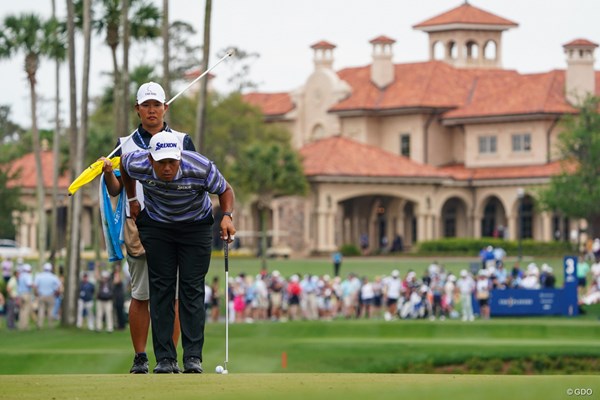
(113, 222)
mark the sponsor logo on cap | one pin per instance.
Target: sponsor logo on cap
(160, 145)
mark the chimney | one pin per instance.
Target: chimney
(580, 80)
(323, 54)
(382, 69)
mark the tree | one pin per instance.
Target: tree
(203, 92)
(9, 130)
(240, 68)
(55, 153)
(575, 192)
(74, 211)
(166, 81)
(36, 38)
(268, 171)
(10, 200)
(232, 125)
(142, 19)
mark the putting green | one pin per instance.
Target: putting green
(297, 386)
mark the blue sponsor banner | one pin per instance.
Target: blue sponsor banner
(516, 302)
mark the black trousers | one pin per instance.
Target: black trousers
(186, 246)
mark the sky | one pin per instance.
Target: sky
(282, 31)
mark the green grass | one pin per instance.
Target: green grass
(333, 360)
(369, 266)
(295, 386)
(316, 347)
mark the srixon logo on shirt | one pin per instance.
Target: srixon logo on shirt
(160, 145)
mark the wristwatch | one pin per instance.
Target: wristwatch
(229, 214)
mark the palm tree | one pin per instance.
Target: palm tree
(55, 155)
(142, 19)
(35, 37)
(203, 93)
(166, 82)
(74, 212)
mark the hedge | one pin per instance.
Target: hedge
(470, 247)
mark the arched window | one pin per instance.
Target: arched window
(452, 50)
(490, 50)
(472, 50)
(318, 132)
(438, 51)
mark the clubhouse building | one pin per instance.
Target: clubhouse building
(454, 146)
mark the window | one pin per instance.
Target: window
(405, 145)
(521, 142)
(487, 144)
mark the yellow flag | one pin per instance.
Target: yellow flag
(90, 173)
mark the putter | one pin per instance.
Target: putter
(226, 255)
(229, 54)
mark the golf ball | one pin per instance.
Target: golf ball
(219, 369)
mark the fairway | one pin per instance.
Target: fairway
(296, 386)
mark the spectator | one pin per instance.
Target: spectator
(7, 269)
(532, 277)
(12, 300)
(25, 292)
(85, 303)
(393, 290)
(104, 302)
(276, 295)
(448, 297)
(119, 296)
(466, 286)
(207, 299)
(46, 287)
(583, 268)
(547, 278)
(367, 295)
(215, 301)
(262, 298)
(482, 293)
(499, 255)
(294, 292)
(337, 263)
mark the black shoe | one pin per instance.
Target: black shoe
(192, 365)
(140, 364)
(164, 366)
(176, 369)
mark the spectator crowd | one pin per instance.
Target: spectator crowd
(436, 293)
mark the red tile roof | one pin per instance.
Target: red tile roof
(340, 156)
(460, 172)
(28, 177)
(323, 45)
(580, 43)
(383, 40)
(515, 94)
(466, 14)
(270, 104)
(343, 157)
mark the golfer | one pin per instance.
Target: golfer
(151, 108)
(176, 231)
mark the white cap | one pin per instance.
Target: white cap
(26, 268)
(165, 145)
(47, 267)
(395, 273)
(105, 274)
(464, 273)
(150, 91)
